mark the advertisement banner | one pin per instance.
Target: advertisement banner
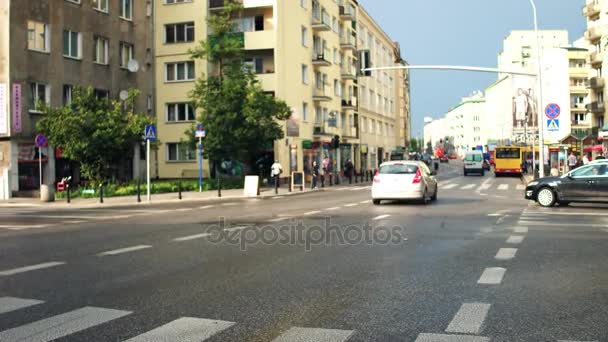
(3, 111)
(525, 105)
(17, 127)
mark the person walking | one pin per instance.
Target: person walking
(572, 161)
(315, 174)
(275, 171)
(587, 159)
(348, 170)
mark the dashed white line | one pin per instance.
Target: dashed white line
(503, 187)
(469, 319)
(279, 219)
(449, 186)
(492, 276)
(124, 250)
(520, 230)
(506, 254)
(366, 202)
(234, 229)
(16, 227)
(377, 218)
(183, 210)
(206, 207)
(468, 187)
(515, 239)
(450, 338)
(333, 209)
(351, 205)
(229, 204)
(191, 237)
(312, 213)
(31, 268)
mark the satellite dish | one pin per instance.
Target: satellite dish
(133, 65)
(123, 95)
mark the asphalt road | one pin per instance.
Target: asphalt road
(480, 264)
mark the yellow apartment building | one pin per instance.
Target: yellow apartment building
(580, 86)
(304, 52)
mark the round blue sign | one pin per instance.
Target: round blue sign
(552, 111)
(40, 140)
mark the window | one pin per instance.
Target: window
(72, 44)
(304, 111)
(181, 71)
(363, 125)
(125, 54)
(180, 112)
(101, 94)
(179, 33)
(74, 1)
(100, 52)
(304, 73)
(255, 65)
(337, 88)
(372, 125)
(180, 152)
(67, 94)
(39, 92)
(303, 3)
(38, 36)
(101, 5)
(304, 36)
(126, 9)
(591, 171)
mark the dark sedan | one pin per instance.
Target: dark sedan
(586, 184)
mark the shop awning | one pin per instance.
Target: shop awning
(596, 148)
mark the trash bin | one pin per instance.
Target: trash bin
(47, 193)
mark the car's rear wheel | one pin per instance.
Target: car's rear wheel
(434, 197)
(425, 197)
(376, 201)
(546, 197)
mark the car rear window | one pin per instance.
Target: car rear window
(398, 169)
(473, 157)
(507, 153)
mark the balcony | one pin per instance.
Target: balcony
(593, 33)
(321, 22)
(596, 83)
(219, 4)
(595, 58)
(348, 42)
(321, 58)
(328, 127)
(591, 10)
(349, 104)
(260, 40)
(578, 107)
(596, 107)
(349, 73)
(320, 95)
(581, 123)
(267, 81)
(348, 13)
(350, 132)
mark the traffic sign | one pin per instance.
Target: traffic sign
(553, 125)
(40, 140)
(552, 111)
(200, 131)
(150, 133)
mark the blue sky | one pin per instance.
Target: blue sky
(461, 32)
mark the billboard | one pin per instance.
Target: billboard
(525, 105)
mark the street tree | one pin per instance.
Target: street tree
(96, 132)
(241, 119)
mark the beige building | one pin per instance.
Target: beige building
(307, 54)
(595, 13)
(580, 85)
(46, 48)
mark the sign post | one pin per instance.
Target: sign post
(149, 135)
(552, 111)
(40, 141)
(200, 134)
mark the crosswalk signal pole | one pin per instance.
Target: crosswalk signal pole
(148, 167)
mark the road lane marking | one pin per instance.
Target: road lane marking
(558, 213)
(520, 230)
(520, 187)
(312, 213)
(314, 334)
(468, 187)
(503, 187)
(55, 327)
(506, 254)
(206, 207)
(185, 329)
(279, 219)
(552, 224)
(191, 237)
(450, 338)
(576, 341)
(17, 227)
(8, 304)
(351, 205)
(234, 229)
(449, 186)
(183, 210)
(492, 276)
(277, 197)
(515, 239)
(366, 202)
(333, 209)
(31, 268)
(229, 204)
(484, 187)
(124, 250)
(469, 319)
(377, 218)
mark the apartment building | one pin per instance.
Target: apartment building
(581, 85)
(46, 48)
(465, 123)
(304, 52)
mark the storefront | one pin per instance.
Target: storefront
(29, 171)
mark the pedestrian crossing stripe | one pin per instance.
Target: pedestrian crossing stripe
(314, 334)
(185, 329)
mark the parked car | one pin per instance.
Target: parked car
(404, 180)
(587, 183)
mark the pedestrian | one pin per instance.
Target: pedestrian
(348, 170)
(275, 171)
(572, 161)
(315, 174)
(587, 158)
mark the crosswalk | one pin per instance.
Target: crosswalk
(481, 187)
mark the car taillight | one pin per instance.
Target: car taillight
(377, 177)
(418, 177)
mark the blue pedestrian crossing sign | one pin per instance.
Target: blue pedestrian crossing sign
(553, 125)
(150, 133)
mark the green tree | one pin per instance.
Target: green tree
(239, 117)
(97, 133)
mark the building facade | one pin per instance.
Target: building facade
(46, 48)
(581, 85)
(306, 53)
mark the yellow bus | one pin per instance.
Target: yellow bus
(508, 160)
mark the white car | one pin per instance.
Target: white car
(404, 180)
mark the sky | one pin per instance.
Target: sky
(461, 32)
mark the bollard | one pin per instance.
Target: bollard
(101, 193)
(337, 178)
(350, 178)
(289, 184)
(179, 189)
(276, 185)
(138, 190)
(323, 181)
(67, 188)
(331, 180)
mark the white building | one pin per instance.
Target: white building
(466, 124)
(435, 131)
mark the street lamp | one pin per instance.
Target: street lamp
(541, 142)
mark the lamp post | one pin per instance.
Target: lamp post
(541, 139)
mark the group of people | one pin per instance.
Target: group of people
(574, 161)
(348, 167)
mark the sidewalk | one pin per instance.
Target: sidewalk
(123, 201)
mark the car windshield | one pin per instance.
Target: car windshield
(507, 153)
(398, 169)
(473, 158)
(590, 171)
